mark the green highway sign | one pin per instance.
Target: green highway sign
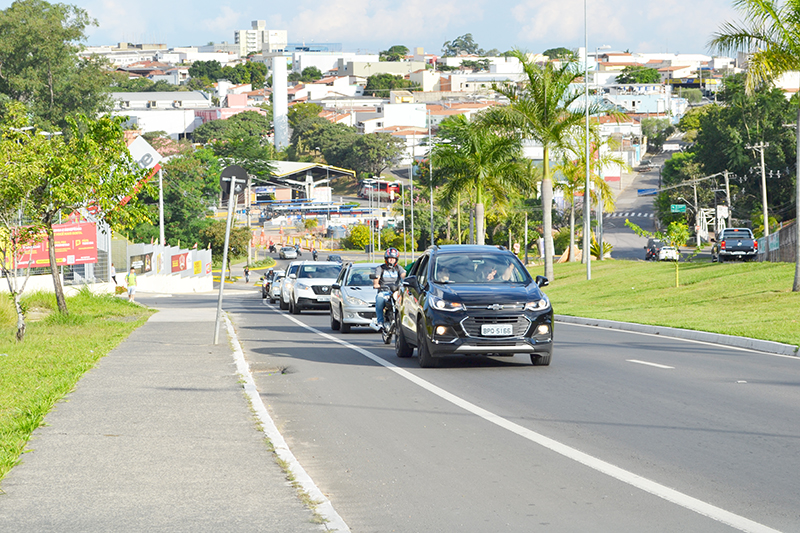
(677, 208)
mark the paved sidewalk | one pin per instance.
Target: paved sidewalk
(157, 437)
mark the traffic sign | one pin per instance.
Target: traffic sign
(677, 208)
(228, 175)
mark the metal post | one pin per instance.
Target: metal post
(405, 236)
(161, 238)
(250, 240)
(430, 169)
(231, 203)
(411, 194)
(764, 191)
(696, 215)
(526, 239)
(728, 196)
(587, 214)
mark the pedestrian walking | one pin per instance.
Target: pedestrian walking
(114, 274)
(130, 280)
(246, 274)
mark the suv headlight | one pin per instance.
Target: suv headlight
(302, 286)
(538, 305)
(352, 300)
(444, 305)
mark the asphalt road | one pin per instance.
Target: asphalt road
(623, 432)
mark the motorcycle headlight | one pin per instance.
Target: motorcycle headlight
(538, 305)
(352, 300)
(444, 305)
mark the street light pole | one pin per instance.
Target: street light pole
(586, 198)
(761, 147)
(430, 169)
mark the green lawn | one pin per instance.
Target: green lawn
(744, 299)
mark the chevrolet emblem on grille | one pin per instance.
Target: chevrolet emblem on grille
(495, 307)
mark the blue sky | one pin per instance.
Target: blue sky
(371, 26)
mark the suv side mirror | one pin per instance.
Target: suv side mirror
(292, 276)
(411, 281)
(373, 276)
(542, 281)
(336, 286)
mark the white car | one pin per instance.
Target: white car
(668, 253)
(275, 287)
(287, 283)
(288, 252)
(311, 285)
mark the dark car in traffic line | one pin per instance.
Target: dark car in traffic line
(652, 249)
(473, 300)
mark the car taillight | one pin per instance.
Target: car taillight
(722, 245)
(755, 245)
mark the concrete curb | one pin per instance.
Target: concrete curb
(689, 334)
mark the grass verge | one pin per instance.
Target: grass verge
(56, 352)
(744, 299)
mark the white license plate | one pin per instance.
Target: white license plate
(323, 298)
(497, 330)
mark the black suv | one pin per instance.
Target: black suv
(473, 300)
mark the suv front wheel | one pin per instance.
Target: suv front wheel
(426, 360)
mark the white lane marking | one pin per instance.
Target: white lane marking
(693, 504)
(725, 346)
(649, 364)
(324, 508)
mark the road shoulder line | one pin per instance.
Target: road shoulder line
(687, 334)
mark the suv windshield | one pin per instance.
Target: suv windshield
(478, 268)
(319, 271)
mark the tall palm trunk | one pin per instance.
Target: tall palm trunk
(547, 216)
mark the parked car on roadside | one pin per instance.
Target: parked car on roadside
(288, 252)
(353, 297)
(734, 243)
(473, 300)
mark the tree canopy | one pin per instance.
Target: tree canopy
(464, 44)
(638, 74)
(381, 84)
(39, 63)
(558, 53)
(395, 53)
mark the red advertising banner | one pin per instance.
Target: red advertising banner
(180, 262)
(76, 244)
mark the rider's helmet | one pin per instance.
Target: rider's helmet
(391, 253)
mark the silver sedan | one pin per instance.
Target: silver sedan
(353, 297)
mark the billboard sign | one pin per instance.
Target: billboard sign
(76, 244)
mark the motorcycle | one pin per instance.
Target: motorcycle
(390, 316)
(272, 248)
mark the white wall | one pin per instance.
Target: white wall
(173, 121)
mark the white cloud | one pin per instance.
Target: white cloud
(226, 22)
(370, 21)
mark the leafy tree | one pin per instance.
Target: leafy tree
(88, 167)
(559, 53)
(245, 124)
(461, 45)
(476, 159)
(381, 84)
(191, 188)
(374, 153)
(657, 130)
(638, 74)
(39, 65)
(206, 69)
(573, 167)
(676, 235)
(694, 96)
(476, 66)
(22, 158)
(300, 112)
(544, 108)
(214, 237)
(397, 52)
(359, 236)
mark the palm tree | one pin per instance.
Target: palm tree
(543, 108)
(573, 168)
(771, 32)
(474, 157)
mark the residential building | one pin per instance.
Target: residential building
(259, 39)
(172, 112)
(369, 68)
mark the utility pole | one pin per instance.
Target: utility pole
(696, 215)
(760, 147)
(728, 196)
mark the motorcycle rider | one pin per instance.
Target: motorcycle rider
(387, 280)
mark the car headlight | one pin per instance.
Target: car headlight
(538, 305)
(352, 300)
(444, 305)
(302, 286)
